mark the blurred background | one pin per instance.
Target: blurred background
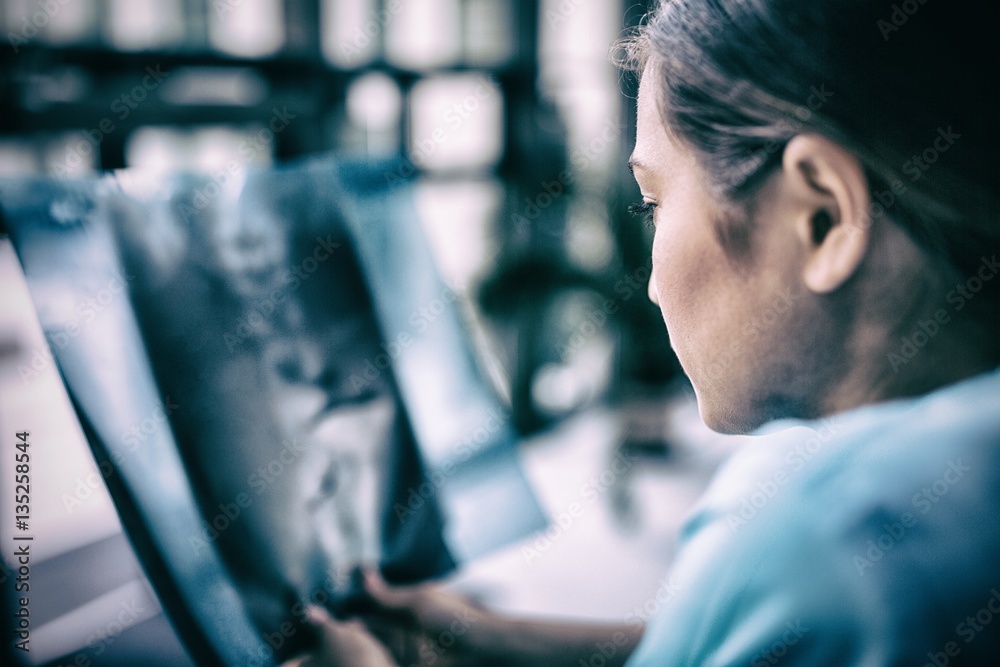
(516, 127)
(509, 112)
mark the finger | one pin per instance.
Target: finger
(332, 632)
(319, 616)
(347, 640)
(403, 599)
(393, 637)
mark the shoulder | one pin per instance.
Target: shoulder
(880, 526)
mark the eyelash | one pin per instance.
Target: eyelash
(643, 209)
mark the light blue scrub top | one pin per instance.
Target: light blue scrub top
(868, 539)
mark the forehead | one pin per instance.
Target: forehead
(656, 150)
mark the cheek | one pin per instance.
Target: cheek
(682, 267)
(702, 302)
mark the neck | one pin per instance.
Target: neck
(911, 365)
(928, 344)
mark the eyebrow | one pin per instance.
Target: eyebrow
(634, 164)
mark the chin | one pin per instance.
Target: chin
(727, 423)
(730, 416)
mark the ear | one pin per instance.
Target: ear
(832, 218)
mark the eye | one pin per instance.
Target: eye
(643, 209)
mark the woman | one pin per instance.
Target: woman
(823, 185)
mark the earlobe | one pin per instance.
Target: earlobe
(834, 193)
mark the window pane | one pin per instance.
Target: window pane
(52, 22)
(225, 152)
(70, 154)
(139, 25)
(489, 32)
(17, 157)
(250, 28)
(215, 85)
(352, 31)
(423, 33)
(456, 122)
(374, 105)
(574, 39)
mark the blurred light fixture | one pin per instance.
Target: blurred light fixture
(577, 74)
(422, 34)
(374, 104)
(224, 153)
(142, 25)
(240, 86)
(588, 237)
(247, 28)
(23, 21)
(457, 217)
(70, 154)
(58, 84)
(18, 157)
(489, 33)
(456, 122)
(352, 30)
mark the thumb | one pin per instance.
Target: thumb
(398, 599)
(344, 642)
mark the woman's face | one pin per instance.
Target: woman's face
(731, 319)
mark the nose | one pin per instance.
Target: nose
(651, 289)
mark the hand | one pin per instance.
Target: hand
(427, 625)
(342, 643)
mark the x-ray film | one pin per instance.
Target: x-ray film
(314, 425)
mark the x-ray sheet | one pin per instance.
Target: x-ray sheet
(312, 427)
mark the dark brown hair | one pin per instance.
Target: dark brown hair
(907, 86)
